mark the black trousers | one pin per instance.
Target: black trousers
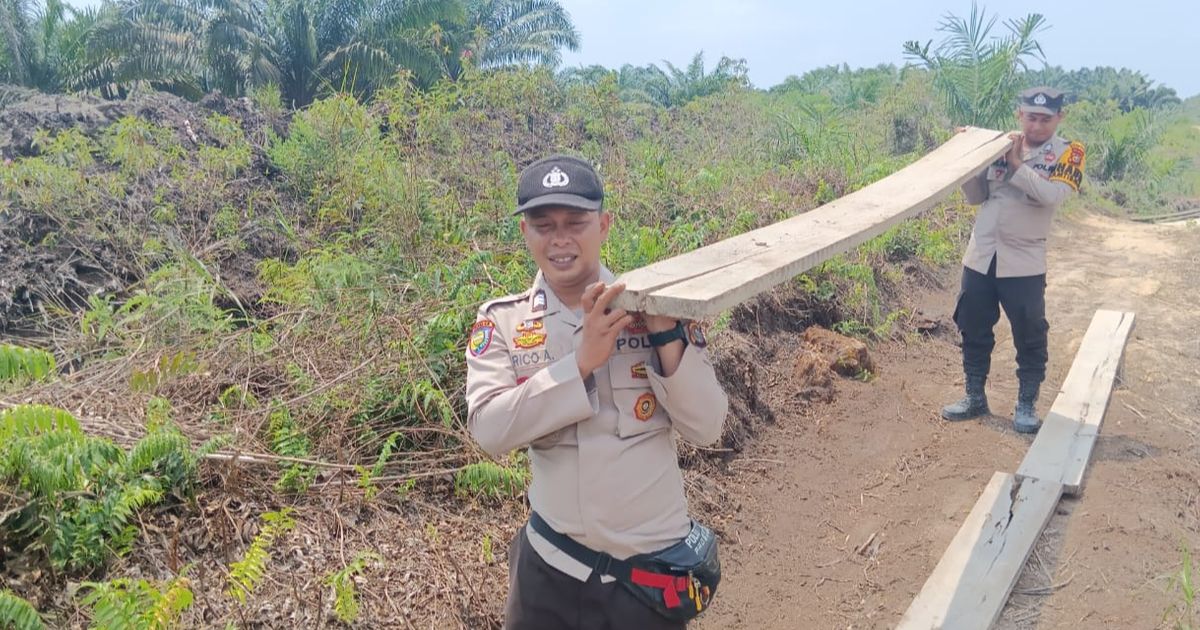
(978, 310)
(541, 597)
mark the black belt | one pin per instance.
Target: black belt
(651, 580)
(597, 560)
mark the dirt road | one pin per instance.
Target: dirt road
(846, 509)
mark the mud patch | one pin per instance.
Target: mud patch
(744, 376)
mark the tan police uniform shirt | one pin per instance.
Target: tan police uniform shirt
(602, 451)
(1018, 208)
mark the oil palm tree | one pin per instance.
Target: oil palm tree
(305, 47)
(16, 41)
(977, 72)
(684, 85)
(676, 86)
(500, 33)
(41, 46)
(666, 88)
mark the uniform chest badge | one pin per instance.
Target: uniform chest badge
(638, 370)
(539, 301)
(645, 406)
(638, 326)
(530, 334)
(481, 337)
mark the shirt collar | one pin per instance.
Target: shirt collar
(543, 302)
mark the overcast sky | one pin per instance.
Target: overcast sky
(1158, 37)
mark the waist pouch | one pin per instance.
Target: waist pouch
(678, 582)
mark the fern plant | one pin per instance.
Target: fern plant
(18, 363)
(367, 476)
(345, 601)
(81, 493)
(126, 604)
(289, 440)
(30, 420)
(246, 574)
(489, 479)
(18, 614)
(168, 367)
(423, 399)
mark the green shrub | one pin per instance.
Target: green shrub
(81, 493)
(19, 364)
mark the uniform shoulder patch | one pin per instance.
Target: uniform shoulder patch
(1070, 165)
(481, 337)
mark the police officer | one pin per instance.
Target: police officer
(1005, 262)
(596, 394)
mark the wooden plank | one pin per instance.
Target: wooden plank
(1172, 216)
(971, 583)
(1063, 447)
(729, 251)
(834, 229)
(724, 253)
(709, 280)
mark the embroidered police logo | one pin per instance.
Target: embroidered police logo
(539, 301)
(638, 370)
(529, 334)
(1069, 169)
(481, 336)
(556, 178)
(644, 408)
(695, 333)
(1076, 154)
(1040, 99)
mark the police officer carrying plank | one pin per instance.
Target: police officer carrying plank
(596, 394)
(1005, 262)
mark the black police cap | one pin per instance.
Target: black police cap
(559, 180)
(1041, 100)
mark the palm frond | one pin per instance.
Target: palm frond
(16, 46)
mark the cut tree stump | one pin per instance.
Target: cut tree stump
(709, 280)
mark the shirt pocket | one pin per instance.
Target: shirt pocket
(638, 410)
(565, 436)
(527, 365)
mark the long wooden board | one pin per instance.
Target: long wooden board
(1063, 447)
(971, 583)
(709, 280)
(1172, 216)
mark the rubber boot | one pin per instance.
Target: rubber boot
(1025, 418)
(973, 405)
